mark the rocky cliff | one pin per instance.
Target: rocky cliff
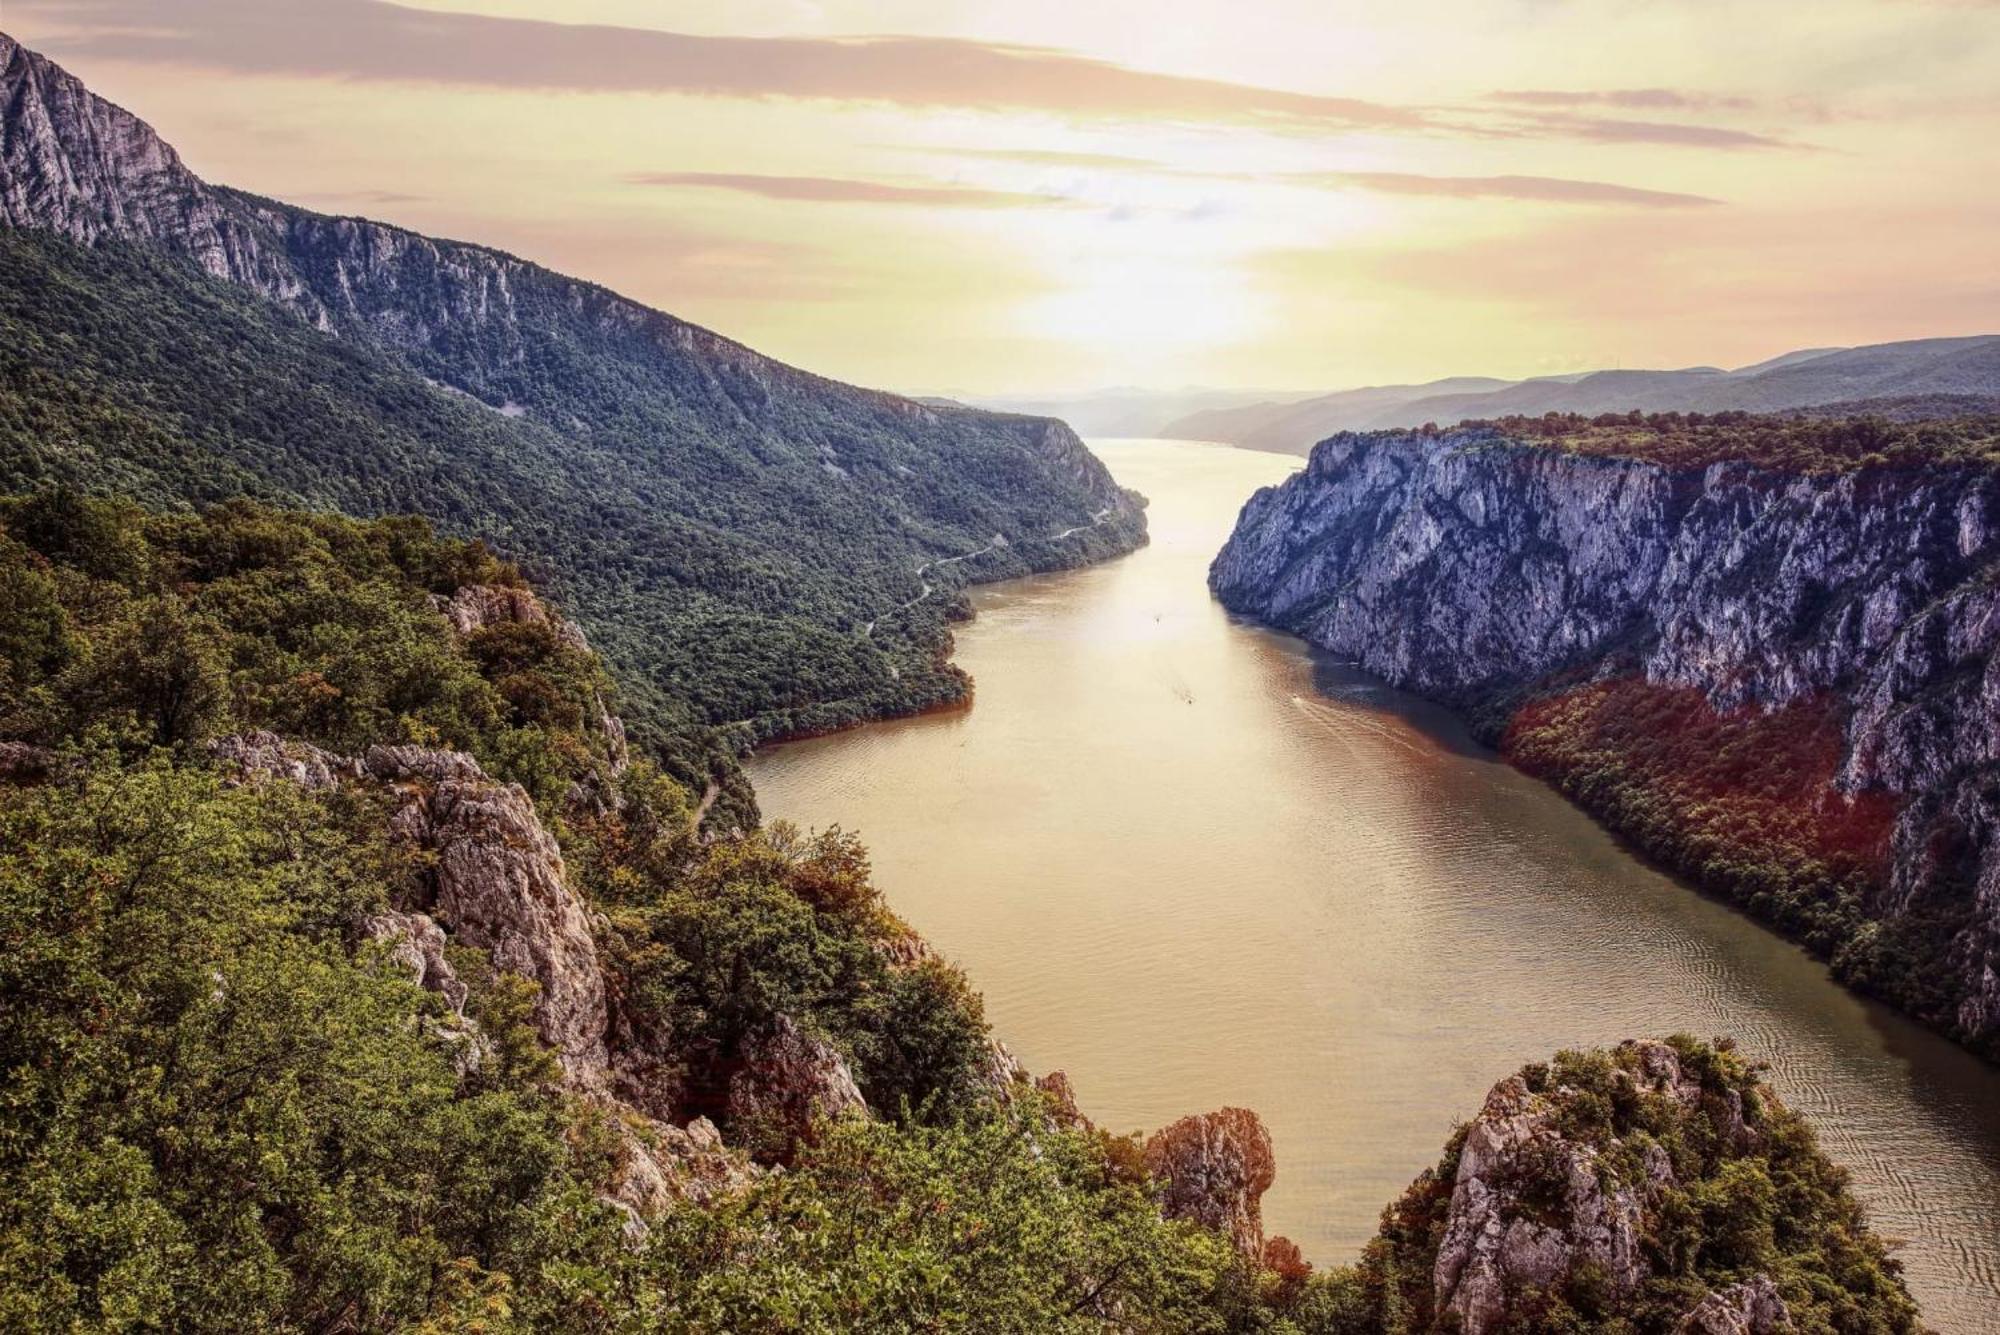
(1629, 1189)
(1523, 582)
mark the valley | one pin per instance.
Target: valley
(1188, 858)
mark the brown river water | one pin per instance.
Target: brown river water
(1192, 863)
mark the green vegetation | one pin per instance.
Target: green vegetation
(724, 542)
(225, 1112)
(1806, 444)
(142, 630)
(222, 1114)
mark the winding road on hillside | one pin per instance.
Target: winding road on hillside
(928, 589)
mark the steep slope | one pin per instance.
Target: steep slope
(1912, 372)
(1762, 650)
(745, 538)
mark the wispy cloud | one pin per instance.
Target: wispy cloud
(375, 40)
(1043, 157)
(841, 190)
(1543, 189)
(1625, 99)
(1617, 130)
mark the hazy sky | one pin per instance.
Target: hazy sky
(1055, 194)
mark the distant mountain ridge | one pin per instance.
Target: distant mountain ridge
(742, 538)
(1130, 411)
(1809, 378)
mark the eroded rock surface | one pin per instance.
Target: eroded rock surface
(1214, 1169)
(788, 1081)
(1750, 1308)
(497, 881)
(1533, 1208)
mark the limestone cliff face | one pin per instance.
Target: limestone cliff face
(1468, 567)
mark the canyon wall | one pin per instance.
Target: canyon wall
(1496, 576)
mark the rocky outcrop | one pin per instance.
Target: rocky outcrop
(1213, 1170)
(24, 764)
(1472, 568)
(1528, 1211)
(475, 607)
(416, 943)
(1536, 1207)
(496, 878)
(1753, 1307)
(787, 1082)
(265, 755)
(658, 1164)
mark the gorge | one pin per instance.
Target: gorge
(1194, 863)
(393, 940)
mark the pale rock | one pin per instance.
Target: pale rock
(1463, 565)
(1751, 1308)
(787, 1081)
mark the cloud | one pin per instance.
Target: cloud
(1611, 130)
(840, 190)
(1043, 157)
(1626, 99)
(379, 41)
(1543, 189)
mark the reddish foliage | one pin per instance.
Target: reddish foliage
(1742, 799)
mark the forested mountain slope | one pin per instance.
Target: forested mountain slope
(740, 536)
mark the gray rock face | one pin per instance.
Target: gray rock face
(789, 1081)
(1214, 1169)
(659, 1164)
(265, 755)
(416, 942)
(1462, 565)
(1496, 1245)
(1750, 1308)
(497, 881)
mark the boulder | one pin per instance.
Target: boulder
(265, 755)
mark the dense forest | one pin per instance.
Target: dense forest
(1783, 442)
(230, 1107)
(736, 586)
(1835, 441)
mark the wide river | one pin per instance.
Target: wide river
(1193, 864)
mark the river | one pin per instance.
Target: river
(1192, 864)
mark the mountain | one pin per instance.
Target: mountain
(754, 547)
(1133, 412)
(1762, 649)
(1275, 425)
(1810, 378)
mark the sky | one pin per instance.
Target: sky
(1029, 196)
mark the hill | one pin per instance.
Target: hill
(749, 543)
(1912, 373)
